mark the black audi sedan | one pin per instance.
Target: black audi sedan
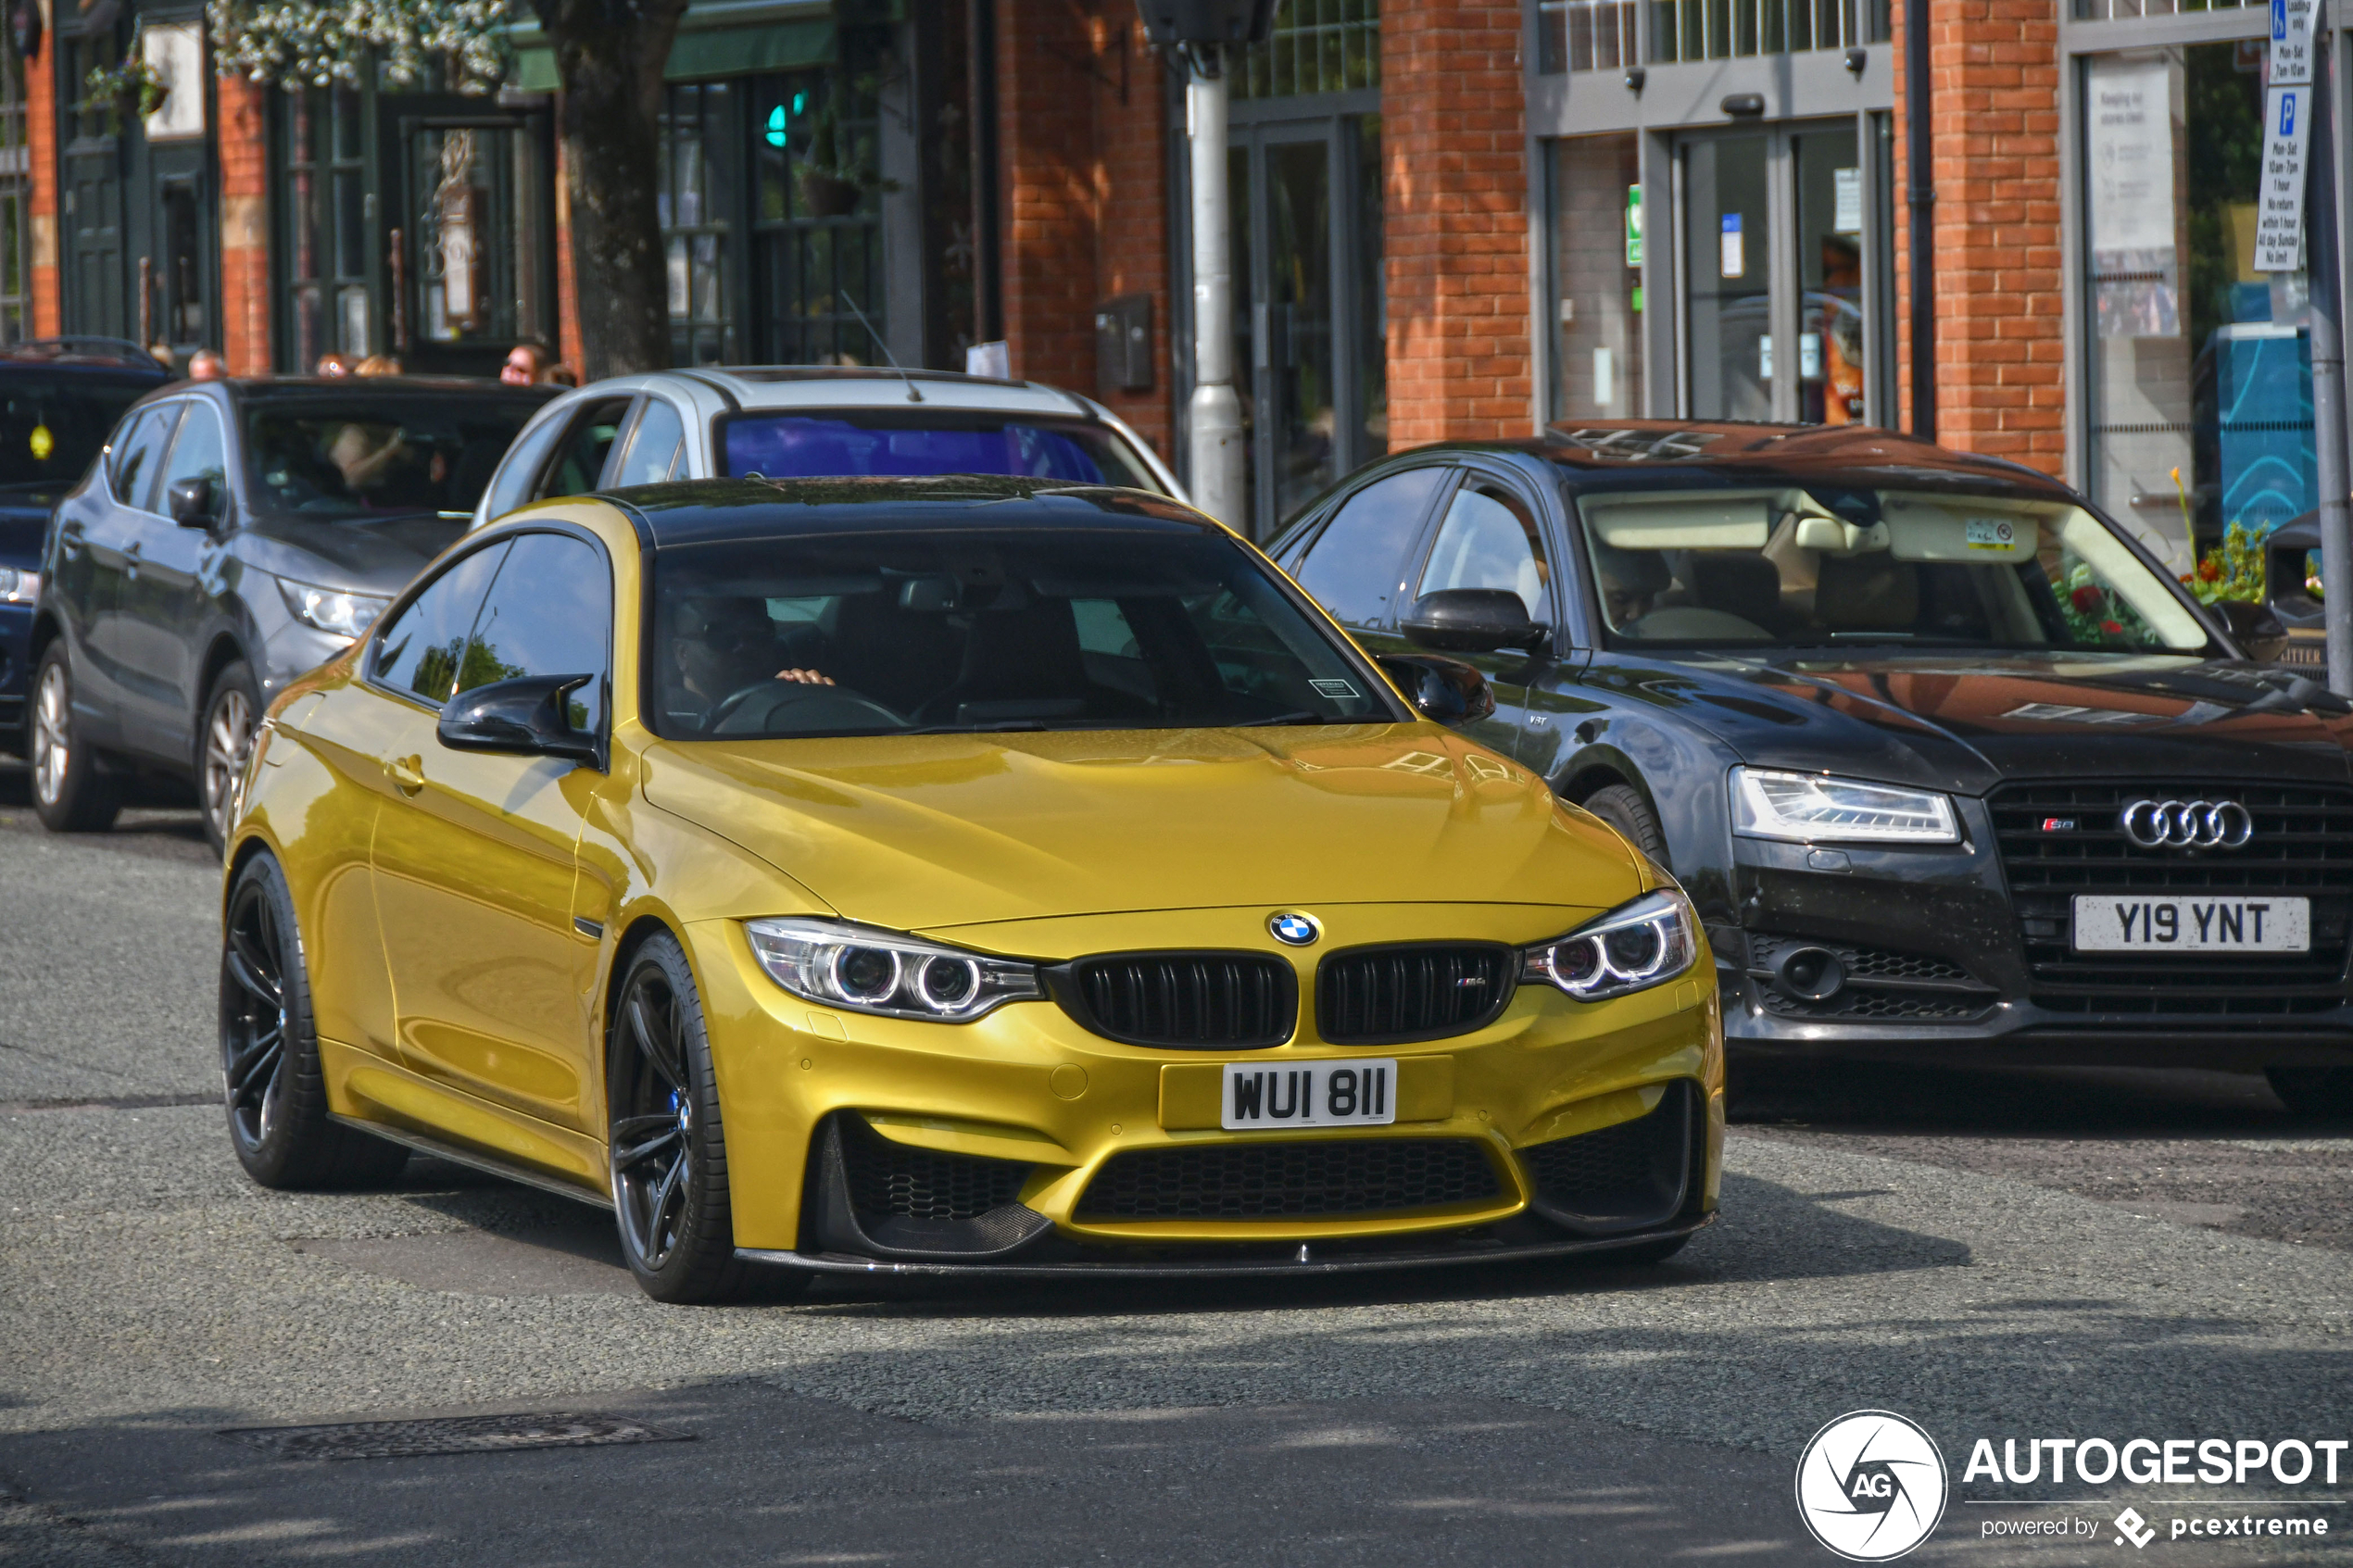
(1954, 770)
(232, 535)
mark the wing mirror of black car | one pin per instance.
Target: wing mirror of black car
(1444, 690)
(529, 717)
(190, 502)
(1474, 621)
(2253, 626)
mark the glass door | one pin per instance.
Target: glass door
(473, 271)
(1780, 232)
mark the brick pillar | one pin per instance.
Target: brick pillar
(1048, 189)
(1453, 139)
(41, 146)
(243, 142)
(1996, 143)
(1131, 183)
(567, 344)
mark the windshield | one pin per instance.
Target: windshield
(1830, 566)
(50, 427)
(379, 455)
(836, 444)
(893, 632)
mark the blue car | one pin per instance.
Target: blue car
(58, 400)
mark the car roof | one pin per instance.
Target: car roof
(1659, 454)
(865, 386)
(702, 511)
(260, 388)
(100, 358)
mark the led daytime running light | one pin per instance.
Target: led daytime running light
(1810, 809)
(846, 966)
(1646, 943)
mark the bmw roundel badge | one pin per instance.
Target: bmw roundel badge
(1297, 930)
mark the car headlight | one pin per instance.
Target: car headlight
(331, 610)
(18, 587)
(1633, 947)
(1810, 809)
(847, 966)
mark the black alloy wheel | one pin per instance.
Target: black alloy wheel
(225, 740)
(71, 793)
(669, 1149)
(271, 1082)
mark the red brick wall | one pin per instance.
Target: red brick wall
(41, 146)
(1996, 144)
(567, 344)
(243, 142)
(1083, 200)
(1457, 219)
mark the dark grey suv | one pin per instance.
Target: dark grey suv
(233, 535)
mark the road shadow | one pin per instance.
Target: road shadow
(156, 821)
(1871, 1096)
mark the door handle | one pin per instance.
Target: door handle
(408, 773)
(131, 559)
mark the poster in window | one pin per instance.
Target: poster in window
(2128, 146)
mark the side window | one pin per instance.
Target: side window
(548, 614)
(418, 653)
(1491, 540)
(654, 446)
(1353, 567)
(137, 453)
(586, 444)
(200, 453)
(510, 484)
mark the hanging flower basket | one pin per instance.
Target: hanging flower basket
(826, 196)
(131, 79)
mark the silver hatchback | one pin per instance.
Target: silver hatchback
(814, 422)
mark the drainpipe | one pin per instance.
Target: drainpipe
(2328, 371)
(980, 23)
(1920, 201)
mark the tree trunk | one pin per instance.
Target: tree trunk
(610, 54)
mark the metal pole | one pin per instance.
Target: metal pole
(2328, 376)
(1214, 416)
(1920, 201)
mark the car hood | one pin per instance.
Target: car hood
(369, 556)
(1966, 724)
(922, 832)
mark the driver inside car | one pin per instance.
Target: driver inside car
(725, 644)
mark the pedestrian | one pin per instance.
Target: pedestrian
(560, 375)
(377, 365)
(207, 364)
(526, 363)
(333, 365)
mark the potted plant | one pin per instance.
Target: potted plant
(830, 183)
(128, 78)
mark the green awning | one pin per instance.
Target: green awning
(699, 53)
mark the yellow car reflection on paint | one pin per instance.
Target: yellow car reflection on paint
(944, 875)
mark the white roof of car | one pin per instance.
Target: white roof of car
(819, 386)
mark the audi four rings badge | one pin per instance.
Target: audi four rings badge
(2186, 824)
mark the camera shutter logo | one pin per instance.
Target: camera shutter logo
(1871, 1485)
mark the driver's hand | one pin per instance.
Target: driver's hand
(805, 677)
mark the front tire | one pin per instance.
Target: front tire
(2313, 1091)
(667, 1143)
(271, 1082)
(225, 740)
(1623, 807)
(69, 791)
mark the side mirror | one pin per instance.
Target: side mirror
(2255, 629)
(190, 502)
(1474, 621)
(1444, 690)
(528, 717)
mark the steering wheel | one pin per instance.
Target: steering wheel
(784, 694)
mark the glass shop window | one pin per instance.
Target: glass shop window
(1597, 276)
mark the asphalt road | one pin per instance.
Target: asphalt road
(1994, 1255)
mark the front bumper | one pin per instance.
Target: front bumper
(1028, 1086)
(15, 673)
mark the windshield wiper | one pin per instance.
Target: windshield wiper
(1300, 717)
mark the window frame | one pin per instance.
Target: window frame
(173, 410)
(373, 676)
(224, 511)
(1450, 467)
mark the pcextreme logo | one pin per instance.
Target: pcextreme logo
(1871, 1485)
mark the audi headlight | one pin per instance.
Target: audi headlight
(18, 587)
(848, 966)
(1634, 946)
(1810, 809)
(331, 610)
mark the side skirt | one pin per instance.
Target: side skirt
(489, 1165)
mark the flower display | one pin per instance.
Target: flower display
(330, 44)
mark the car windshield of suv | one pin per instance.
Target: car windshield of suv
(896, 632)
(838, 444)
(1829, 566)
(364, 456)
(52, 426)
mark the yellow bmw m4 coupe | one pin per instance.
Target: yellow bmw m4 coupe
(953, 875)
